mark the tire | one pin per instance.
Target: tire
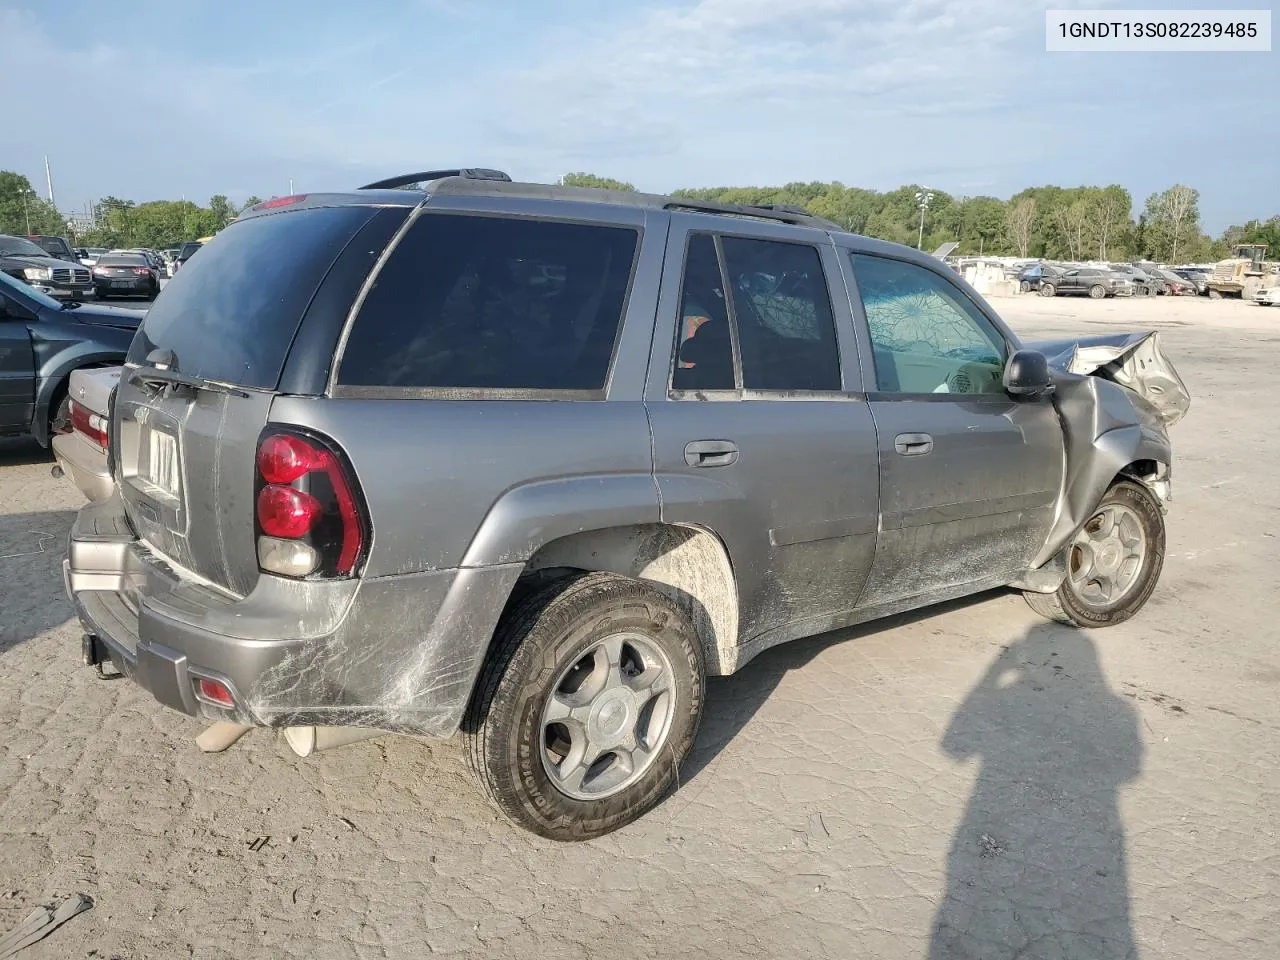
(1097, 291)
(60, 414)
(1025, 286)
(541, 646)
(1048, 290)
(1076, 602)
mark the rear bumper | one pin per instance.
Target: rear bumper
(397, 653)
(85, 464)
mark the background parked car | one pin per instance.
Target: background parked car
(1197, 276)
(1088, 282)
(185, 253)
(1268, 296)
(1033, 276)
(23, 260)
(1175, 285)
(55, 247)
(126, 274)
(35, 369)
(81, 448)
(1144, 285)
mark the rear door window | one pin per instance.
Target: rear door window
(469, 302)
(231, 313)
(786, 331)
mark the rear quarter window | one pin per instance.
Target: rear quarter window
(231, 313)
(490, 303)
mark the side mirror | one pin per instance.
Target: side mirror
(1027, 374)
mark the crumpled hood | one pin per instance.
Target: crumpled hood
(1133, 360)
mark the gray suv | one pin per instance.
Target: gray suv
(531, 462)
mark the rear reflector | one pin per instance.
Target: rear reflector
(215, 692)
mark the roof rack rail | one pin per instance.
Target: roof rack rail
(467, 173)
(783, 213)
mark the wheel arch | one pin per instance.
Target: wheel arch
(689, 564)
(52, 383)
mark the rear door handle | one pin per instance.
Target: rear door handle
(710, 453)
(913, 444)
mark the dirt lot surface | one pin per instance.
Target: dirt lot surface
(966, 782)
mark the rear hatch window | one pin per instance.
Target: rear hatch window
(231, 313)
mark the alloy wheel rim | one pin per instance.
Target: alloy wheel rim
(607, 717)
(1107, 556)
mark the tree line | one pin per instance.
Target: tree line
(1059, 223)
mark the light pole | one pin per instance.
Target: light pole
(26, 210)
(923, 198)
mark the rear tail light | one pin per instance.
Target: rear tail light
(309, 517)
(141, 271)
(89, 423)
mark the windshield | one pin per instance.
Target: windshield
(231, 313)
(188, 249)
(17, 247)
(30, 293)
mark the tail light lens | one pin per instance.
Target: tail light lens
(141, 271)
(310, 518)
(89, 423)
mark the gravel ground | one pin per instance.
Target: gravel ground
(964, 782)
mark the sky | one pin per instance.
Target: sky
(155, 100)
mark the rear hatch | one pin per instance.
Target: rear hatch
(185, 457)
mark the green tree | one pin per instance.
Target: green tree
(1172, 221)
(591, 180)
(221, 210)
(23, 211)
(982, 219)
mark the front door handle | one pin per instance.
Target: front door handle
(710, 453)
(913, 444)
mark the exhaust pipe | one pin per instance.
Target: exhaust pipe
(305, 741)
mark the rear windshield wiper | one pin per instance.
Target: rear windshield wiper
(156, 381)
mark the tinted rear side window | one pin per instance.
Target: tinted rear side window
(231, 313)
(493, 303)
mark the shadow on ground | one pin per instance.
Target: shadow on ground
(733, 701)
(21, 452)
(32, 598)
(1037, 866)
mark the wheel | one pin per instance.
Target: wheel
(586, 707)
(1025, 286)
(60, 415)
(1215, 294)
(1047, 290)
(1113, 563)
(1097, 291)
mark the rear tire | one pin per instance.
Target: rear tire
(1025, 286)
(1048, 290)
(1081, 600)
(546, 654)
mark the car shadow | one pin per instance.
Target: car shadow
(732, 701)
(1037, 865)
(20, 452)
(32, 546)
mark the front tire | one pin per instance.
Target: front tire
(586, 707)
(1097, 291)
(1112, 565)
